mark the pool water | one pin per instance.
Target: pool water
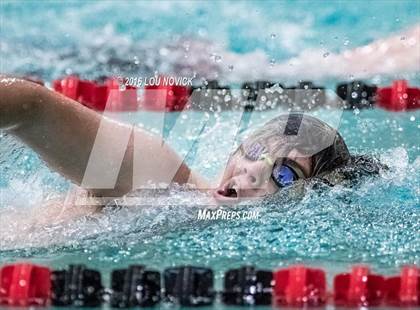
(376, 222)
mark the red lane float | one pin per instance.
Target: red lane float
(167, 97)
(163, 97)
(120, 100)
(404, 290)
(24, 285)
(299, 286)
(98, 96)
(398, 97)
(358, 288)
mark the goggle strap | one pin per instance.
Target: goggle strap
(267, 159)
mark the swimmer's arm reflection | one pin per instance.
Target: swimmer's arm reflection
(63, 132)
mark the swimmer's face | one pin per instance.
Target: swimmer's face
(245, 178)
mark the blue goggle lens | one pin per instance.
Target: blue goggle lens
(283, 175)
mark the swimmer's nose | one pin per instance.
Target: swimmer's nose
(249, 178)
(242, 185)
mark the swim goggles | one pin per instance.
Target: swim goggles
(285, 171)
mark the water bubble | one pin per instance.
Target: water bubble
(346, 42)
(272, 62)
(412, 118)
(273, 35)
(230, 67)
(354, 95)
(356, 111)
(325, 55)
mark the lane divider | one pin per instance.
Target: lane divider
(189, 286)
(251, 90)
(247, 286)
(98, 96)
(357, 94)
(161, 97)
(76, 286)
(212, 96)
(298, 286)
(399, 97)
(135, 286)
(25, 285)
(404, 289)
(359, 288)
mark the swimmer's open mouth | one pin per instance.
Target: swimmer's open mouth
(229, 190)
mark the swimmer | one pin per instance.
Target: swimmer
(63, 132)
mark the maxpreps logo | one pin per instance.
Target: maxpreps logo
(228, 215)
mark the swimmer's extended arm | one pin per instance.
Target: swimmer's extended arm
(396, 54)
(63, 132)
